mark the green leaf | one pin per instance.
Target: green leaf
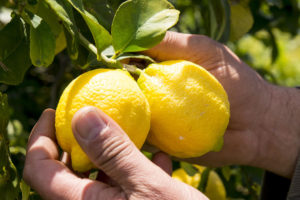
(100, 34)
(109, 52)
(216, 15)
(14, 52)
(241, 20)
(9, 183)
(25, 189)
(136, 56)
(62, 10)
(60, 42)
(4, 115)
(204, 180)
(141, 24)
(189, 168)
(226, 171)
(93, 174)
(102, 10)
(65, 13)
(42, 10)
(42, 45)
(275, 49)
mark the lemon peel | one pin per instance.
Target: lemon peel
(189, 108)
(114, 92)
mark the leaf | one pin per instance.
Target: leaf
(136, 56)
(93, 174)
(64, 12)
(9, 184)
(14, 52)
(100, 34)
(42, 45)
(43, 10)
(275, 50)
(102, 10)
(4, 115)
(226, 171)
(216, 17)
(60, 43)
(109, 52)
(140, 24)
(204, 180)
(72, 45)
(189, 168)
(25, 189)
(241, 21)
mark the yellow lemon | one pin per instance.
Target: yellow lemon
(189, 108)
(113, 91)
(214, 190)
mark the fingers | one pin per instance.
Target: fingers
(43, 132)
(195, 48)
(110, 149)
(234, 141)
(163, 161)
(49, 177)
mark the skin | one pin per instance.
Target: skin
(264, 131)
(126, 172)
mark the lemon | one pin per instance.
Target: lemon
(189, 108)
(113, 91)
(241, 20)
(214, 190)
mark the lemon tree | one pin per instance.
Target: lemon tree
(45, 44)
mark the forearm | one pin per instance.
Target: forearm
(280, 136)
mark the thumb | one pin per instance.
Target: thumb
(108, 146)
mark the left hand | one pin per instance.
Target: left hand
(131, 174)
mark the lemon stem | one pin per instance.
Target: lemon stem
(108, 62)
(133, 69)
(116, 54)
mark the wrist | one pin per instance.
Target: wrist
(280, 132)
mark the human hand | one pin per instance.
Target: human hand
(131, 174)
(264, 119)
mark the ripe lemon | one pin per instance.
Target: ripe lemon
(214, 190)
(113, 91)
(189, 108)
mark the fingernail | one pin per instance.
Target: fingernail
(89, 124)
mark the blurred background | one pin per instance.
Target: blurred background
(263, 33)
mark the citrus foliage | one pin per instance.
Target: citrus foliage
(33, 32)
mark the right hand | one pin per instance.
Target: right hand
(250, 138)
(129, 174)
